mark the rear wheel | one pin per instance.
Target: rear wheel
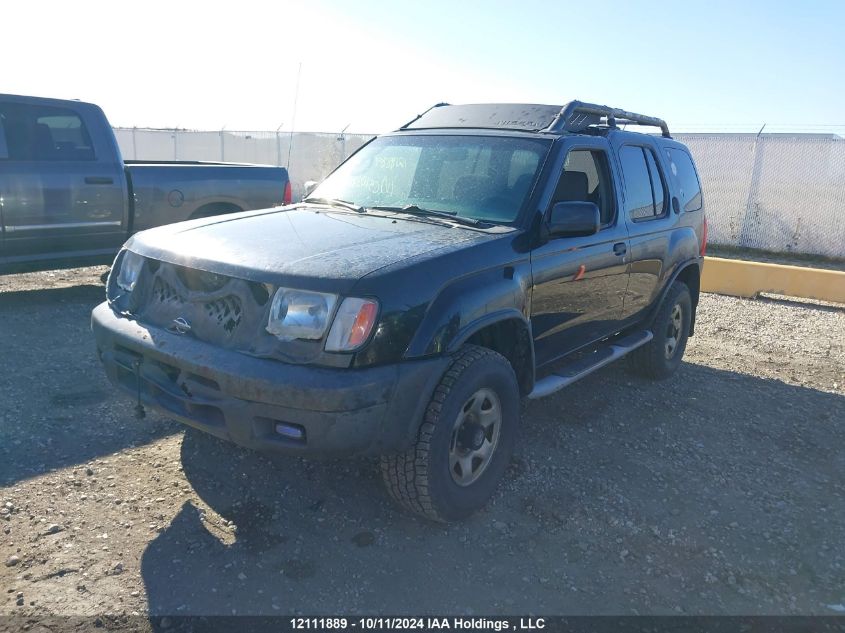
(661, 356)
(464, 443)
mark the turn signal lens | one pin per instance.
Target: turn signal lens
(352, 325)
(704, 237)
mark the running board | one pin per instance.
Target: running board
(605, 355)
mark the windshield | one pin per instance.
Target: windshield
(482, 177)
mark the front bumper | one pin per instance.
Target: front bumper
(246, 399)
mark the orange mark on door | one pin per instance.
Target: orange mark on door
(580, 274)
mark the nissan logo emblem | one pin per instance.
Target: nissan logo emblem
(180, 325)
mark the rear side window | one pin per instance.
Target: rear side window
(685, 179)
(658, 187)
(645, 190)
(44, 133)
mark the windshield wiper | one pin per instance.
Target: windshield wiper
(413, 209)
(336, 202)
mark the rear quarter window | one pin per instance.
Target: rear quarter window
(685, 179)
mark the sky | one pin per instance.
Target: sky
(371, 65)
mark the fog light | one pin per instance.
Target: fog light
(293, 431)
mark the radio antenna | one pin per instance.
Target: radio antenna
(293, 119)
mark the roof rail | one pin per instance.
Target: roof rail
(576, 116)
(419, 116)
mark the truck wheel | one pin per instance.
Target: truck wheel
(660, 357)
(464, 443)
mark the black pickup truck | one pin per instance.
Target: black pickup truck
(479, 254)
(67, 197)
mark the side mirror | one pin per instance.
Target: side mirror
(574, 219)
(310, 185)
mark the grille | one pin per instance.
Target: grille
(163, 292)
(227, 312)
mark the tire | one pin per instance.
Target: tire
(655, 359)
(457, 460)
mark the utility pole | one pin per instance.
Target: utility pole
(750, 222)
(342, 139)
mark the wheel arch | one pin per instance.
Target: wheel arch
(688, 272)
(508, 333)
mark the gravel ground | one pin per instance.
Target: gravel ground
(719, 491)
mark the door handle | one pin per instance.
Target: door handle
(619, 248)
(99, 180)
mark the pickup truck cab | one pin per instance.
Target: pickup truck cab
(478, 255)
(68, 198)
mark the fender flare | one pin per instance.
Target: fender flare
(695, 261)
(477, 302)
(487, 320)
(527, 377)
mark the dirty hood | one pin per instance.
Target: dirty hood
(314, 248)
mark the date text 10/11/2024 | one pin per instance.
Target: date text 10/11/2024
(412, 623)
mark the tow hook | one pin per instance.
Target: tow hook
(139, 408)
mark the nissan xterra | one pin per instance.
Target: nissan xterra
(477, 255)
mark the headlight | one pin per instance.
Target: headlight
(130, 269)
(352, 325)
(300, 314)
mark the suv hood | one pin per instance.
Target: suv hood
(314, 248)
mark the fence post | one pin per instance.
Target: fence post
(278, 149)
(134, 143)
(746, 233)
(175, 144)
(222, 148)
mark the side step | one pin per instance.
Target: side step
(605, 355)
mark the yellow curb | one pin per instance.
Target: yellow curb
(748, 279)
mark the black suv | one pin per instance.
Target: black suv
(477, 255)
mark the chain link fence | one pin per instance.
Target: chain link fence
(777, 192)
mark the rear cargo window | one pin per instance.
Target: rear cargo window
(685, 179)
(45, 133)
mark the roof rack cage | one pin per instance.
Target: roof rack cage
(576, 116)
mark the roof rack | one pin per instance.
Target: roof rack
(577, 116)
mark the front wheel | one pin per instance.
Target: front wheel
(660, 357)
(465, 441)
